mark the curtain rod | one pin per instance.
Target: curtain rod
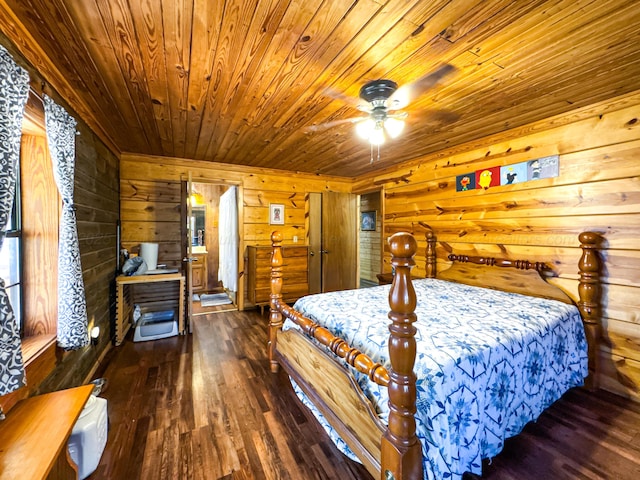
(36, 93)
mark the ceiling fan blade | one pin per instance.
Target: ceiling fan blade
(352, 102)
(398, 115)
(326, 125)
(406, 93)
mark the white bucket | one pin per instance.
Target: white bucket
(149, 253)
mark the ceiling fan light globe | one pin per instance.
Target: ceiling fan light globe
(394, 127)
(377, 136)
(365, 128)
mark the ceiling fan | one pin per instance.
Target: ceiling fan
(384, 100)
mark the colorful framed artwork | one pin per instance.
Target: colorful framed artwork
(516, 173)
(545, 167)
(276, 214)
(487, 177)
(466, 182)
(368, 221)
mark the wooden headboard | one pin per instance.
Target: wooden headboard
(517, 276)
(522, 276)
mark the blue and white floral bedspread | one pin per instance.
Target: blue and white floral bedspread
(488, 362)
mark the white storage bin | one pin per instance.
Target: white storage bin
(89, 436)
(156, 325)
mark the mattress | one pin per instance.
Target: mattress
(487, 363)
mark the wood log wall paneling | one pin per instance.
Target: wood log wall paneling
(597, 189)
(241, 82)
(150, 198)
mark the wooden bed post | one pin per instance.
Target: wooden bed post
(401, 449)
(275, 317)
(430, 263)
(589, 291)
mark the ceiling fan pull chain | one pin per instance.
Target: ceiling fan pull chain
(371, 161)
(378, 152)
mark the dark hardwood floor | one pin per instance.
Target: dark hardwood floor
(205, 406)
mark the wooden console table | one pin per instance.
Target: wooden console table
(124, 305)
(35, 434)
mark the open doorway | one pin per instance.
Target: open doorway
(370, 247)
(213, 249)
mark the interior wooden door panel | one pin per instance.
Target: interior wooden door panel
(315, 242)
(339, 241)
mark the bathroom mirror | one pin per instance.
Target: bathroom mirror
(197, 225)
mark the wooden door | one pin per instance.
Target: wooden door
(339, 241)
(315, 242)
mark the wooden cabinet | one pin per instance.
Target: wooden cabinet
(295, 273)
(199, 273)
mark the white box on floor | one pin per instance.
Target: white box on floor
(89, 436)
(155, 325)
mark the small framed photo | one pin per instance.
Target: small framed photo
(368, 221)
(276, 214)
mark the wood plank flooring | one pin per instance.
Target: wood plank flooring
(205, 406)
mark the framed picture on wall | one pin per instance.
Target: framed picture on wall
(368, 221)
(276, 214)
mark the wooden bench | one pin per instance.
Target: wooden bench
(34, 436)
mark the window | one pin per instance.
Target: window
(30, 249)
(11, 255)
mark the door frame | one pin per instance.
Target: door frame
(186, 181)
(381, 214)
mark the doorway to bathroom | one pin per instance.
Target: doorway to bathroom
(211, 247)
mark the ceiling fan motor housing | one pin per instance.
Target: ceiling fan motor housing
(377, 90)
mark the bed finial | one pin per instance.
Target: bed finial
(590, 293)
(430, 255)
(401, 449)
(275, 317)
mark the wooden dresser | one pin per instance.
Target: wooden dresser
(295, 273)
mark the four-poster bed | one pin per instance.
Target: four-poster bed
(375, 408)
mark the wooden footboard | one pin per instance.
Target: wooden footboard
(397, 454)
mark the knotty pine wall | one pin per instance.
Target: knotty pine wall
(598, 189)
(151, 207)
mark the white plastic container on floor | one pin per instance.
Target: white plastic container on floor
(156, 325)
(89, 436)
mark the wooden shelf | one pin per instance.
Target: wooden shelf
(124, 302)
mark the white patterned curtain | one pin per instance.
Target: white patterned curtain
(228, 240)
(72, 305)
(14, 90)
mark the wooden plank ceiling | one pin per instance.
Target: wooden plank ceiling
(241, 81)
